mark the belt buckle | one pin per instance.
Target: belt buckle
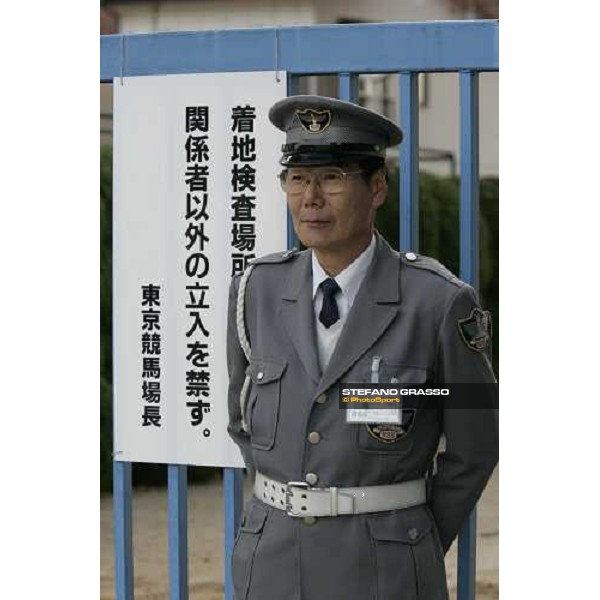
(352, 497)
(289, 487)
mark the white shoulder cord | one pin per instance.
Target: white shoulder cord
(244, 343)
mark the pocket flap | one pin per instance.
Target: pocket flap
(254, 519)
(411, 375)
(402, 374)
(407, 526)
(265, 370)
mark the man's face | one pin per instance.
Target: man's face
(334, 222)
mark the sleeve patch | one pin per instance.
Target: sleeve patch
(476, 329)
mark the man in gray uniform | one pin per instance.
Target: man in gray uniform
(343, 508)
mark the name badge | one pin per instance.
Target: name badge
(373, 415)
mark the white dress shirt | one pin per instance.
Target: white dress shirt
(349, 281)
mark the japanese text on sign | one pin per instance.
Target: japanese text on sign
(151, 355)
(197, 267)
(243, 182)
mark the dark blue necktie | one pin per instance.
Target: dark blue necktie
(329, 311)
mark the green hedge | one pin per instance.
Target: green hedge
(105, 318)
(438, 233)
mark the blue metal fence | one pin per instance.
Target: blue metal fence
(465, 47)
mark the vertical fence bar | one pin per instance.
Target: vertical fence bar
(123, 530)
(409, 162)
(467, 555)
(469, 177)
(348, 87)
(293, 89)
(469, 272)
(233, 486)
(178, 541)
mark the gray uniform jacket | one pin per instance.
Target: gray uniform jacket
(407, 313)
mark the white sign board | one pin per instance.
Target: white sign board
(195, 197)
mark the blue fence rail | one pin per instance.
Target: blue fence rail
(465, 47)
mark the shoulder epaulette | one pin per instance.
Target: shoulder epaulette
(276, 257)
(427, 263)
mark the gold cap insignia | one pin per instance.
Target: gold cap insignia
(314, 121)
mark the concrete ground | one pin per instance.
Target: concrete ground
(205, 514)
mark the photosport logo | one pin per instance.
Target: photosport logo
(454, 395)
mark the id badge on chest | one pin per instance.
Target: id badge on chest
(372, 415)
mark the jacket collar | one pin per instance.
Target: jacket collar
(375, 307)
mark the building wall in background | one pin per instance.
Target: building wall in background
(213, 14)
(383, 10)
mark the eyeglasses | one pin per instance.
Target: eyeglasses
(331, 180)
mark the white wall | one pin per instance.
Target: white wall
(214, 14)
(488, 123)
(382, 10)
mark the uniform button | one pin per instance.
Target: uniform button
(411, 256)
(311, 478)
(322, 399)
(314, 437)
(309, 520)
(260, 375)
(413, 533)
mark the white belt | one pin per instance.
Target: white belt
(298, 499)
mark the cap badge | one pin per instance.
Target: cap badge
(314, 121)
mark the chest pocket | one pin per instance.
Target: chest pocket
(386, 438)
(266, 374)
